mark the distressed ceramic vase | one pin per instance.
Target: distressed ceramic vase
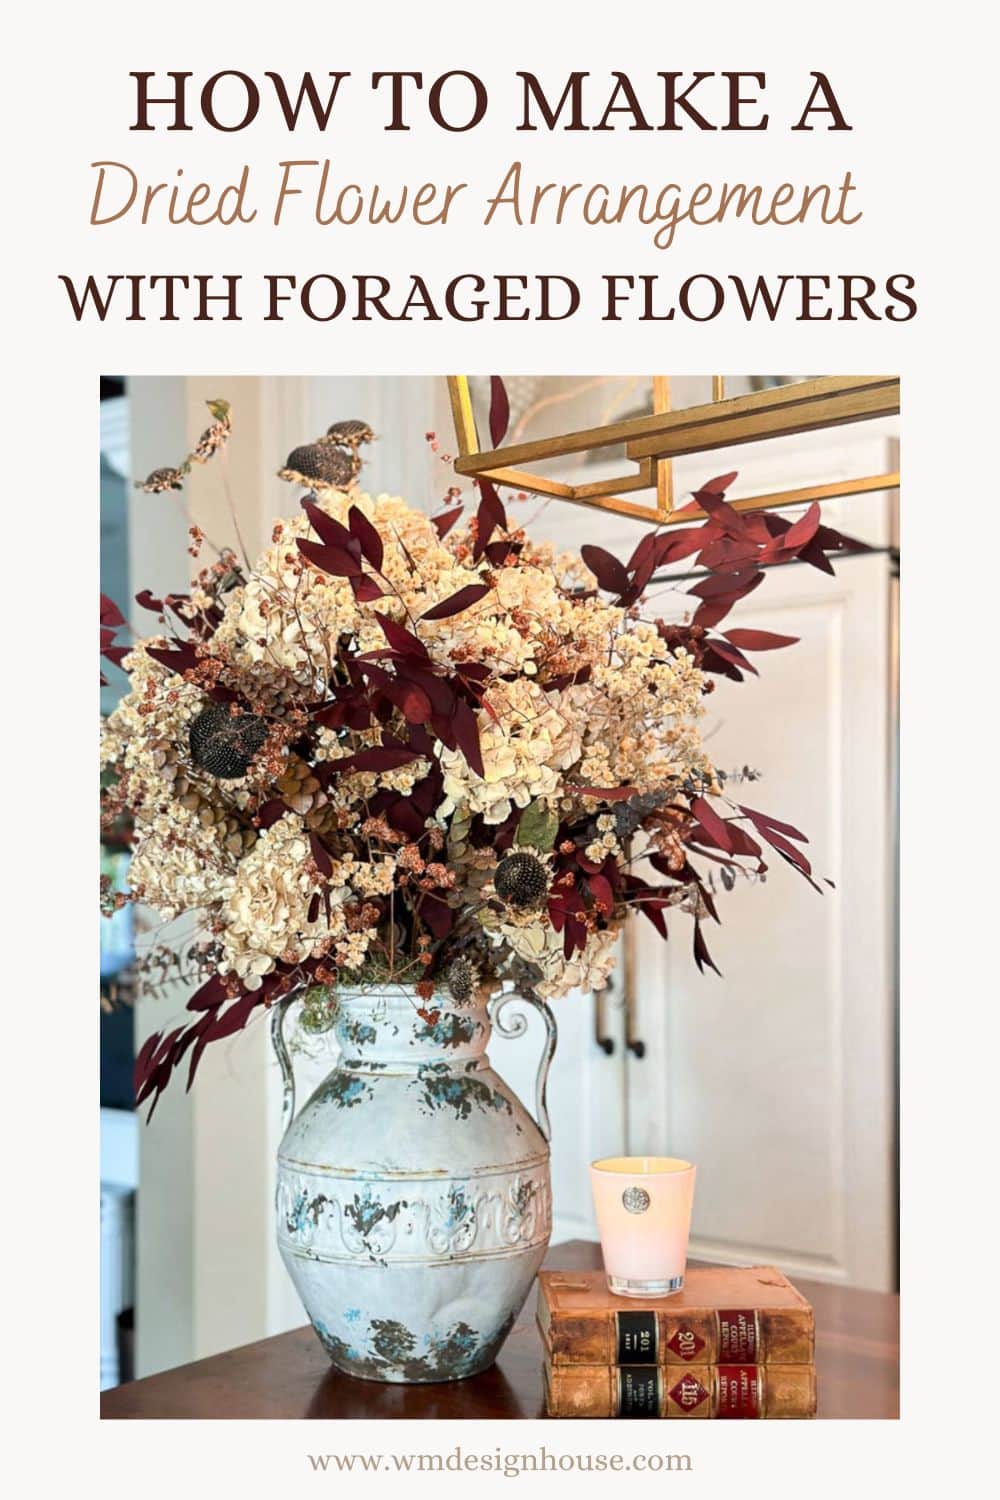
(413, 1195)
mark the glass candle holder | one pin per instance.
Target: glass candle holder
(643, 1208)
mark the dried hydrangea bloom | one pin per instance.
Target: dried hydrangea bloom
(266, 915)
(526, 743)
(541, 946)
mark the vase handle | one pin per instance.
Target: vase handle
(517, 1026)
(278, 1012)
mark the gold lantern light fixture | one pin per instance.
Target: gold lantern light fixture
(653, 441)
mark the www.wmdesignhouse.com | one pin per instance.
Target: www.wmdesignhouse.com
(510, 1465)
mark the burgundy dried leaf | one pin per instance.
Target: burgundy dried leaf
(437, 915)
(813, 554)
(111, 615)
(150, 1057)
(784, 847)
(440, 692)
(212, 993)
(466, 730)
(379, 758)
(330, 530)
(490, 516)
(673, 546)
(149, 601)
(144, 1056)
(116, 654)
(600, 889)
(569, 679)
(802, 531)
(321, 856)
(177, 658)
(728, 555)
(366, 590)
(234, 1018)
(271, 811)
(367, 537)
(725, 517)
(719, 485)
(402, 641)
(499, 411)
(644, 897)
(455, 603)
(611, 574)
(702, 957)
(329, 559)
(717, 828)
(443, 523)
(711, 611)
(645, 550)
(411, 700)
(758, 640)
(719, 586)
(733, 656)
(762, 821)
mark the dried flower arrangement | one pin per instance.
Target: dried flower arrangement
(425, 750)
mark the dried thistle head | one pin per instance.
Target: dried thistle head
(321, 464)
(159, 480)
(521, 880)
(461, 980)
(350, 433)
(224, 743)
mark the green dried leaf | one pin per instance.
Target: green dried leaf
(220, 409)
(538, 826)
(458, 831)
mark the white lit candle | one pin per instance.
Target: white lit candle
(643, 1208)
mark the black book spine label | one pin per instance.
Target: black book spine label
(638, 1391)
(637, 1338)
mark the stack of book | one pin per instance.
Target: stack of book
(734, 1343)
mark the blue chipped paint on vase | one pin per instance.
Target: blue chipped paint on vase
(414, 1204)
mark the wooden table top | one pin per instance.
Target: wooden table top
(857, 1364)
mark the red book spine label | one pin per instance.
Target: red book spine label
(740, 1391)
(739, 1336)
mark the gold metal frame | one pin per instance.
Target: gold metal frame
(652, 442)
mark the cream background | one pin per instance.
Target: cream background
(918, 90)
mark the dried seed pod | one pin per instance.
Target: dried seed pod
(323, 465)
(462, 980)
(350, 433)
(161, 479)
(521, 880)
(224, 743)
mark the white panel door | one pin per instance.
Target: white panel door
(778, 1079)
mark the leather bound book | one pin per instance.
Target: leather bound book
(723, 1392)
(723, 1315)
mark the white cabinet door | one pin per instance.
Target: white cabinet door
(778, 1079)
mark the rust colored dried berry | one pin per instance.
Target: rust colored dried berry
(224, 743)
(320, 464)
(521, 880)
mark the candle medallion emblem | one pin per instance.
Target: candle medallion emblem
(636, 1200)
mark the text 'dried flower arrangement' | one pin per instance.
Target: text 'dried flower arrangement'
(427, 750)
